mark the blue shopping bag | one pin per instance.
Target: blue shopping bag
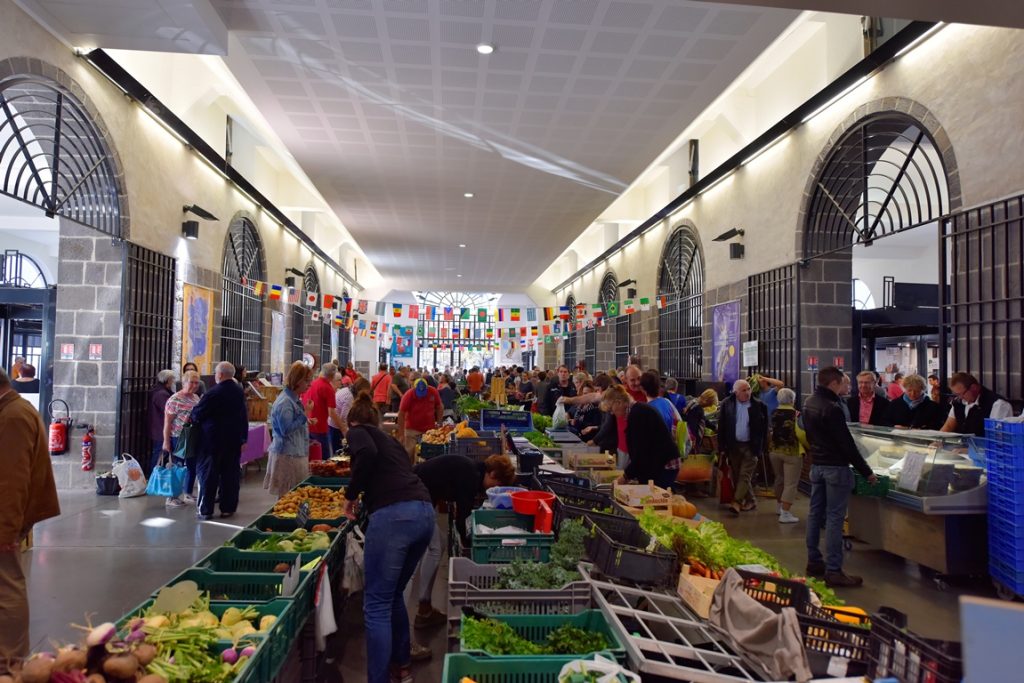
(167, 480)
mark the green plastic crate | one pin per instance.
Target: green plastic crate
(536, 627)
(228, 559)
(501, 669)
(334, 556)
(325, 482)
(250, 588)
(287, 524)
(862, 487)
(504, 548)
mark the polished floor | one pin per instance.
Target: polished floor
(103, 556)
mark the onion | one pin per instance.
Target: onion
(229, 655)
(101, 634)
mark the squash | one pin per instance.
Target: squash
(466, 433)
(683, 508)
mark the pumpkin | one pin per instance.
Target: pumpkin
(683, 508)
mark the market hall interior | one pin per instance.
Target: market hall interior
(709, 190)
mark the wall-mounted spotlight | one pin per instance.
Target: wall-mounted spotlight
(736, 249)
(190, 229)
(289, 281)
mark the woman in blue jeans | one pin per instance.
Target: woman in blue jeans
(401, 525)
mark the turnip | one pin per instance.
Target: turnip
(121, 666)
(135, 636)
(145, 653)
(229, 655)
(70, 659)
(248, 651)
(101, 635)
(38, 669)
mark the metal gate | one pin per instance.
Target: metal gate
(981, 258)
(773, 321)
(147, 315)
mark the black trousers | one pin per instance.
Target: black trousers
(219, 477)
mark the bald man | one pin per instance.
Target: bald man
(223, 422)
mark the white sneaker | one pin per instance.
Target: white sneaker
(189, 500)
(174, 503)
(787, 517)
(778, 508)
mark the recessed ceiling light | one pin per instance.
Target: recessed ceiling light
(459, 275)
(467, 195)
(462, 246)
(484, 48)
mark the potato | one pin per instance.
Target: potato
(37, 670)
(70, 659)
(145, 653)
(121, 666)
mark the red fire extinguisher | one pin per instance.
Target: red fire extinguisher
(88, 449)
(60, 428)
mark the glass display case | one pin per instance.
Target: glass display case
(929, 471)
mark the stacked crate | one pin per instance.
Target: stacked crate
(1005, 468)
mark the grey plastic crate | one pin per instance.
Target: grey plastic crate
(472, 584)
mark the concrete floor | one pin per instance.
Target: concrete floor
(103, 556)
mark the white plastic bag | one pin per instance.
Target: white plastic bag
(130, 476)
(559, 420)
(353, 577)
(610, 670)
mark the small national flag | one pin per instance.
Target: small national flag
(514, 315)
(558, 327)
(293, 294)
(380, 309)
(467, 314)
(245, 281)
(431, 331)
(612, 309)
(522, 331)
(628, 307)
(531, 315)
(456, 333)
(362, 324)
(597, 310)
(547, 329)
(563, 312)
(502, 315)
(449, 314)
(428, 312)
(581, 311)
(533, 331)
(275, 292)
(548, 339)
(444, 333)
(481, 315)
(384, 328)
(466, 333)
(373, 326)
(490, 333)
(314, 316)
(348, 304)
(396, 310)
(328, 301)
(364, 307)
(414, 312)
(549, 313)
(338, 321)
(311, 299)
(258, 288)
(662, 301)
(645, 304)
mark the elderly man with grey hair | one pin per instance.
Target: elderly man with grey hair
(223, 423)
(742, 439)
(158, 395)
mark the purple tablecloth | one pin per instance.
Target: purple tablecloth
(259, 441)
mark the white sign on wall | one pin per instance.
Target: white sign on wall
(750, 354)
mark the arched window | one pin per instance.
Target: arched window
(53, 156)
(20, 270)
(241, 328)
(318, 334)
(884, 175)
(610, 292)
(569, 355)
(681, 320)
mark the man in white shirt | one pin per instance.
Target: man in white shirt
(972, 405)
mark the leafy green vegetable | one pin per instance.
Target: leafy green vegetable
(471, 404)
(711, 544)
(539, 439)
(498, 638)
(560, 570)
(541, 422)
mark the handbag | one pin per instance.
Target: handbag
(166, 480)
(188, 440)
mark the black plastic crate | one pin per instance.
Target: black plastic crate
(618, 547)
(574, 502)
(572, 479)
(825, 640)
(775, 593)
(906, 656)
(477, 447)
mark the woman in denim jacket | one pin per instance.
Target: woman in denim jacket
(288, 460)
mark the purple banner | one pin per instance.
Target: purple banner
(725, 342)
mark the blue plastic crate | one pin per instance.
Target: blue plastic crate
(1006, 473)
(1006, 574)
(1003, 493)
(1009, 519)
(993, 427)
(1008, 549)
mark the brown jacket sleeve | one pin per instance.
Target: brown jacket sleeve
(27, 490)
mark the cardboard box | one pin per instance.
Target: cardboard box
(579, 459)
(600, 477)
(642, 495)
(696, 591)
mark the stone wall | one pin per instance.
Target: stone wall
(605, 348)
(825, 315)
(88, 312)
(643, 338)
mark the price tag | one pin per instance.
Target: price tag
(291, 580)
(837, 666)
(913, 465)
(302, 516)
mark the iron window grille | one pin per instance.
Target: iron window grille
(20, 270)
(681, 320)
(241, 340)
(569, 355)
(773, 322)
(610, 292)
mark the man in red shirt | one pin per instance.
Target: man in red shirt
(420, 410)
(319, 400)
(350, 372)
(380, 387)
(475, 381)
(633, 387)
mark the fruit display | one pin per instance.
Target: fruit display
(463, 431)
(323, 503)
(299, 541)
(439, 436)
(330, 468)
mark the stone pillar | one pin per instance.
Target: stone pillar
(605, 349)
(826, 328)
(551, 354)
(643, 338)
(88, 312)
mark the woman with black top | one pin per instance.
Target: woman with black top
(401, 524)
(914, 410)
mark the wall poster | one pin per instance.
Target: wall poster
(197, 328)
(401, 342)
(277, 344)
(725, 342)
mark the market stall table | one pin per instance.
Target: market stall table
(257, 443)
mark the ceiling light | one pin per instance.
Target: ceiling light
(459, 275)
(484, 48)
(462, 246)
(467, 195)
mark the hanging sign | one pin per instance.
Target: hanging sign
(725, 341)
(750, 354)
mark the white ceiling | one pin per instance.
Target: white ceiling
(392, 113)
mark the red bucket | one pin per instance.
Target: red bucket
(526, 502)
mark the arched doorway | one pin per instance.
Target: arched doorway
(244, 262)
(681, 319)
(608, 293)
(870, 234)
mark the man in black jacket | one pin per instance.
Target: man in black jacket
(866, 406)
(742, 439)
(833, 451)
(223, 421)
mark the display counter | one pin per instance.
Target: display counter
(934, 512)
